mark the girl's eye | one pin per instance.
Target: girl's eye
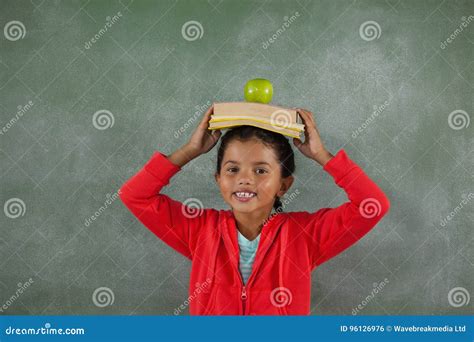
(259, 171)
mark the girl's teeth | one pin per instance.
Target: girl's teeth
(244, 194)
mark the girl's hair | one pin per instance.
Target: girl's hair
(277, 141)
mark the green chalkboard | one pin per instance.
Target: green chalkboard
(90, 89)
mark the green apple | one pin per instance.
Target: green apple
(258, 90)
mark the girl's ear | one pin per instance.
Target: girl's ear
(285, 185)
(216, 176)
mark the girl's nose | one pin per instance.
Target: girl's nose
(245, 181)
(246, 178)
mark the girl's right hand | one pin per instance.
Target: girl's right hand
(203, 139)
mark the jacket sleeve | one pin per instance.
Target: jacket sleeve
(170, 220)
(332, 230)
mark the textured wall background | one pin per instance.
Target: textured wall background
(90, 89)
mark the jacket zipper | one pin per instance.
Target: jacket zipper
(243, 296)
(243, 293)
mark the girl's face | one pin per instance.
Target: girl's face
(251, 167)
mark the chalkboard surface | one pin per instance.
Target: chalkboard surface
(90, 89)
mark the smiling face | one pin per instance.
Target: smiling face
(250, 177)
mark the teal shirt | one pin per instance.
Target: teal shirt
(248, 250)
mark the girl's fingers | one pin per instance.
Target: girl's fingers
(297, 142)
(216, 134)
(305, 121)
(210, 109)
(309, 116)
(310, 127)
(207, 116)
(305, 116)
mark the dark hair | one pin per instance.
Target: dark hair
(277, 141)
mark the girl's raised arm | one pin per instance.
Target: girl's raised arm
(173, 222)
(330, 231)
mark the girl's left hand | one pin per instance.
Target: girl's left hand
(313, 146)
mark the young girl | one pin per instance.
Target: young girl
(246, 261)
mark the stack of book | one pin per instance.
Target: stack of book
(281, 120)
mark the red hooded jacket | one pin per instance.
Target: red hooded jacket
(291, 245)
